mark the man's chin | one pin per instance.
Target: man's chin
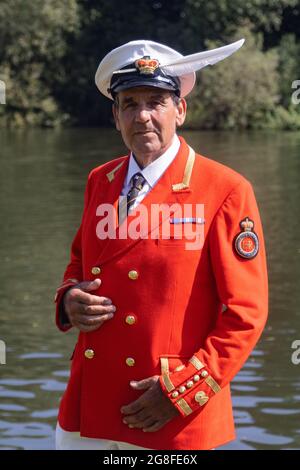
(146, 145)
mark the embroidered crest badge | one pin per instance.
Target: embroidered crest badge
(146, 65)
(246, 242)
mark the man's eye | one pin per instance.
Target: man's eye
(128, 105)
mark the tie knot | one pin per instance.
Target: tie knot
(138, 181)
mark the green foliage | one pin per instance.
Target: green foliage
(49, 52)
(33, 43)
(239, 92)
(105, 25)
(282, 118)
(289, 66)
(220, 18)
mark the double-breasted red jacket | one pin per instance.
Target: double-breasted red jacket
(192, 316)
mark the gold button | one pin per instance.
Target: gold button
(201, 398)
(96, 270)
(204, 373)
(189, 384)
(133, 275)
(196, 378)
(89, 353)
(175, 394)
(130, 320)
(130, 361)
(182, 389)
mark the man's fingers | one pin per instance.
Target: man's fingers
(91, 320)
(143, 401)
(137, 419)
(145, 383)
(81, 293)
(78, 295)
(97, 300)
(155, 427)
(142, 424)
(89, 286)
(96, 309)
(149, 423)
(83, 309)
(133, 407)
(90, 325)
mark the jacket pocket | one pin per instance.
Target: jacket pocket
(187, 235)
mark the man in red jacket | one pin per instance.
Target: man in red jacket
(167, 280)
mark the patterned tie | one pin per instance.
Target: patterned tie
(137, 182)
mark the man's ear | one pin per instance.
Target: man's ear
(116, 116)
(181, 112)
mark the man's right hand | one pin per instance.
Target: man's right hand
(86, 311)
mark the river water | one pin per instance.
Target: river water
(42, 178)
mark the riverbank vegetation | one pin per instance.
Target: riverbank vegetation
(49, 52)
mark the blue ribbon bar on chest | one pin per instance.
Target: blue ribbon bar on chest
(187, 220)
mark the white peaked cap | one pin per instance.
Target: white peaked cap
(171, 62)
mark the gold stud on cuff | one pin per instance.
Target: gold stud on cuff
(201, 398)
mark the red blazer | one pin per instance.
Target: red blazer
(190, 316)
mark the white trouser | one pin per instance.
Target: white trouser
(65, 440)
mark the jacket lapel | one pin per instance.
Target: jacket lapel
(114, 181)
(171, 188)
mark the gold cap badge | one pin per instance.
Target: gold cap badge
(146, 65)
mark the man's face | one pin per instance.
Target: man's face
(147, 118)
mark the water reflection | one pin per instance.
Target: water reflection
(27, 421)
(42, 180)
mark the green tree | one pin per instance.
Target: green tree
(221, 18)
(239, 92)
(50, 50)
(105, 25)
(33, 41)
(289, 66)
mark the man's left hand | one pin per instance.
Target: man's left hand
(152, 410)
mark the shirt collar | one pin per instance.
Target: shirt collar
(155, 170)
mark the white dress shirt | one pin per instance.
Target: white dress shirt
(151, 173)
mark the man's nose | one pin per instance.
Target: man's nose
(142, 114)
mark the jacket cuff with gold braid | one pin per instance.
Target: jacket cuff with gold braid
(62, 320)
(189, 388)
